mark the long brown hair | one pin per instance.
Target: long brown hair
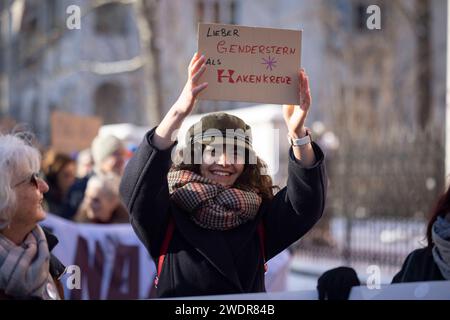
(53, 164)
(441, 208)
(252, 178)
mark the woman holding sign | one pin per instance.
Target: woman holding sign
(211, 225)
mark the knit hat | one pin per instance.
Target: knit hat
(104, 146)
(220, 126)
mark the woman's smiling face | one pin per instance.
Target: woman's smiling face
(221, 165)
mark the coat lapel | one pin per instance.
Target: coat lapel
(52, 240)
(248, 230)
(210, 244)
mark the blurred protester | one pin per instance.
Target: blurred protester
(60, 173)
(85, 164)
(217, 222)
(108, 153)
(336, 284)
(101, 203)
(28, 270)
(431, 263)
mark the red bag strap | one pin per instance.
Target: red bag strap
(262, 241)
(164, 248)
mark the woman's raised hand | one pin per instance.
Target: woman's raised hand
(295, 115)
(192, 88)
(172, 121)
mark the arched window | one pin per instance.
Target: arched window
(216, 11)
(111, 19)
(108, 100)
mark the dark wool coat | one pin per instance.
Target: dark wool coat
(209, 262)
(419, 266)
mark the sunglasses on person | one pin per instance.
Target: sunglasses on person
(32, 179)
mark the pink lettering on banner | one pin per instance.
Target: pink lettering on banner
(91, 273)
(223, 47)
(229, 76)
(125, 255)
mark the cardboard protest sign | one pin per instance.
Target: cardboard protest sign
(71, 133)
(250, 64)
(7, 124)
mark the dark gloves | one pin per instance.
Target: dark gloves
(336, 284)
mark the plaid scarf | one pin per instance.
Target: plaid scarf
(24, 269)
(212, 206)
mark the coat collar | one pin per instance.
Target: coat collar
(212, 245)
(52, 240)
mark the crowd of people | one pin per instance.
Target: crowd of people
(85, 188)
(209, 226)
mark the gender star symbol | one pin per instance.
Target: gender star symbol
(271, 63)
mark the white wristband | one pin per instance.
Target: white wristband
(300, 142)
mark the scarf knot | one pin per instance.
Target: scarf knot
(212, 206)
(24, 269)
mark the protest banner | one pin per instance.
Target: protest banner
(250, 64)
(113, 262)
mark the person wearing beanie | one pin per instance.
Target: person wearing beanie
(210, 218)
(108, 153)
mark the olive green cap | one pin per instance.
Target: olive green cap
(220, 127)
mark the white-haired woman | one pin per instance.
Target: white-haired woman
(27, 268)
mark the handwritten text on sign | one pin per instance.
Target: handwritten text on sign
(250, 64)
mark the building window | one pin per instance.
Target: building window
(216, 11)
(55, 15)
(108, 102)
(233, 9)
(200, 10)
(360, 17)
(111, 19)
(29, 22)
